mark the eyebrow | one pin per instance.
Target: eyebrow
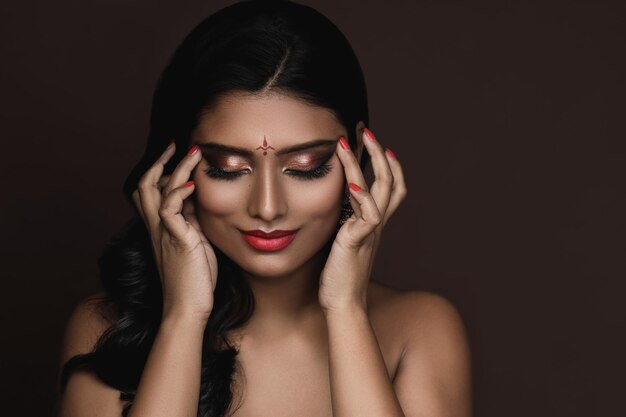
(248, 153)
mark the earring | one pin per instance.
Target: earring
(346, 211)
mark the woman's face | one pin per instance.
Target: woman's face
(253, 176)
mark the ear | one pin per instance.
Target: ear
(360, 126)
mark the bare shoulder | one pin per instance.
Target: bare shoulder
(433, 375)
(417, 307)
(84, 391)
(414, 311)
(425, 311)
(85, 326)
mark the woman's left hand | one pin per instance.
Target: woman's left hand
(345, 277)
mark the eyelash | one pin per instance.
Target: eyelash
(318, 172)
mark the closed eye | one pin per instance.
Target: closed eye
(318, 172)
(219, 174)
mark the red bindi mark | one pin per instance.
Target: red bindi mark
(265, 147)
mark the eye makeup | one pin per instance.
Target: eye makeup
(303, 167)
(224, 167)
(310, 166)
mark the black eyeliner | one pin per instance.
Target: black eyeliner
(318, 172)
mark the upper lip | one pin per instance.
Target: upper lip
(271, 235)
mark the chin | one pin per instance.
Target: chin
(272, 264)
(268, 270)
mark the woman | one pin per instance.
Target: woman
(242, 287)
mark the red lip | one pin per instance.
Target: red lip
(275, 240)
(271, 235)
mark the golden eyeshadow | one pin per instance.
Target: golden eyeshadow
(304, 161)
(229, 161)
(223, 161)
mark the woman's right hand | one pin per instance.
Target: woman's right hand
(185, 259)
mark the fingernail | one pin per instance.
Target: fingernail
(193, 150)
(354, 187)
(170, 145)
(344, 143)
(369, 134)
(188, 183)
(390, 153)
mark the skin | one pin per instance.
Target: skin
(339, 344)
(267, 197)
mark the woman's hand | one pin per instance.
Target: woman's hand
(185, 259)
(345, 277)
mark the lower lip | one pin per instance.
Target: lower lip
(269, 245)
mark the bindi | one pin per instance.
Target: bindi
(265, 147)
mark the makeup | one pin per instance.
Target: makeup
(265, 146)
(306, 165)
(269, 242)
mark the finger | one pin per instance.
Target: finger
(370, 218)
(137, 202)
(163, 181)
(189, 208)
(398, 190)
(149, 192)
(189, 213)
(182, 172)
(171, 210)
(352, 171)
(350, 164)
(356, 207)
(381, 187)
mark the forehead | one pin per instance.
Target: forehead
(243, 119)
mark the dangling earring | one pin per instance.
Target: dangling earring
(346, 211)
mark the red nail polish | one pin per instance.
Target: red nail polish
(344, 143)
(369, 134)
(390, 152)
(354, 187)
(188, 183)
(193, 150)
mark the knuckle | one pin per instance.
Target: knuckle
(163, 181)
(168, 205)
(164, 211)
(168, 189)
(386, 178)
(376, 218)
(144, 184)
(141, 184)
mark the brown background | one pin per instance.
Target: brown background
(508, 117)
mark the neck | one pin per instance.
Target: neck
(284, 303)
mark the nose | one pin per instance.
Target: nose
(267, 198)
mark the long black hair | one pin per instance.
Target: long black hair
(256, 46)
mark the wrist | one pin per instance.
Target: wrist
(184, 320)
(347, 309)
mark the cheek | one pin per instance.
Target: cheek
(318, 199)
(217, 198)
